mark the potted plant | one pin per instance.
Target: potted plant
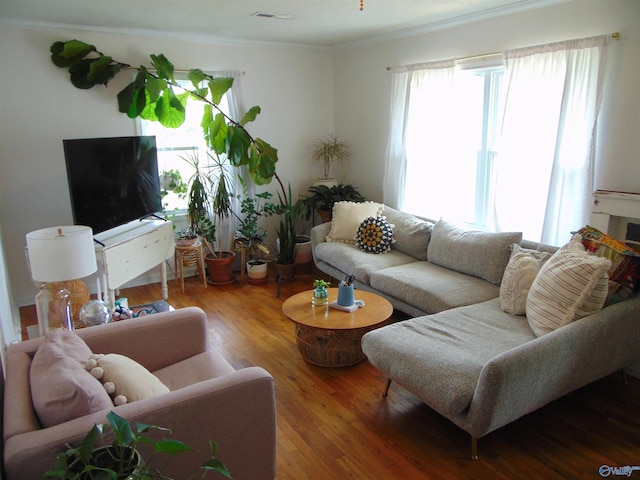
(323, 197)
(220, 262)
(328, 152)
(251, 235)
(289, 212)
(186, 236)
(320, 292)
(120, 459)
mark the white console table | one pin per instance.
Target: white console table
(129, 250)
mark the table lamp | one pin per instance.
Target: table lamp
(58, 254)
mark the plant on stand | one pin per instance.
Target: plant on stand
(120, 459)
(251, 235)
(329, 152)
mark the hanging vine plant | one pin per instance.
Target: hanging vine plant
(152, 96)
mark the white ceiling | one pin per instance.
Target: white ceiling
(312, 22)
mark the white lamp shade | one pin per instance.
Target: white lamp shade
(57, 254)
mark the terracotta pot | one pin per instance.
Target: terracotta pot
(220, 268)
(286, 272)
(325, 215)
(257, 272)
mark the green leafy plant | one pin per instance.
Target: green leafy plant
(155, 95)
(323, 197)
(319, 283)
(120, 459)
(329, 151)
(252, 209)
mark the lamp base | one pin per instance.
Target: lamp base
(53, 308)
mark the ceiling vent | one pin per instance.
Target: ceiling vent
(279, 16)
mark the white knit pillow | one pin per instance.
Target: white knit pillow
(519, 275)
(570, 285)
(347, 217)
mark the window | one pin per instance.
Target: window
(509, 148)
(176, 144)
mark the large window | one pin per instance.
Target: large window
(176, 148)
(505, 146)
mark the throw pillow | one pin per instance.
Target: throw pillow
(61, 389)
(624, 272)
(374, 235)
(539, 255)
(347, 217)
(129, 378)
(570, 285)
(478, 253)
(518, 277)
(410, 234)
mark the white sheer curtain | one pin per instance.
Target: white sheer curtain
(413, 119)
(553, 95)
(541, 178)
(236, 110)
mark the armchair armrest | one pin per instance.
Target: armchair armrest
(236, 410)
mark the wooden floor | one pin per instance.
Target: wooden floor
(334, 423)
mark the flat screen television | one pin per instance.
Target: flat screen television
(112, 181)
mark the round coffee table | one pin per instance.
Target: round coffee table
(329, 337)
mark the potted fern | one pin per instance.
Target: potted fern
(95, 459)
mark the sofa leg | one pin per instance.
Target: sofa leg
(474, 448)
(386, 388)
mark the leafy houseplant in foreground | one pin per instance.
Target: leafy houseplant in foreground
(120, 459)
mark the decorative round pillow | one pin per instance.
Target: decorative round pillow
(375, 235)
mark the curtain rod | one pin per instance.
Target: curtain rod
(614, 35)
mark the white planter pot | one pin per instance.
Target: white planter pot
(257, 274)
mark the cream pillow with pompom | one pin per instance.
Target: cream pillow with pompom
(124, 379)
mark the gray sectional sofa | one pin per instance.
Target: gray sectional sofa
(464, 355)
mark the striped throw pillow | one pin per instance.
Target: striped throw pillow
(570, 285)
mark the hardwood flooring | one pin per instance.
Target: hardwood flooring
(334, 423)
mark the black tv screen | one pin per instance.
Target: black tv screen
(112, 181)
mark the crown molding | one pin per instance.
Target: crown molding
(516, 7)
(182, 36)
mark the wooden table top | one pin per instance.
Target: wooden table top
(299, 309)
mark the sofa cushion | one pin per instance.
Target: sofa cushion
(350, 260)
(430, 287)
(375, 235)
(61, 388)
(411, 234)
(569, 286)
(347, 217)
(478, 253)
(439, 357)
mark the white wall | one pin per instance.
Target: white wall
(363, 84)
(303, 93)
(40, 108)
